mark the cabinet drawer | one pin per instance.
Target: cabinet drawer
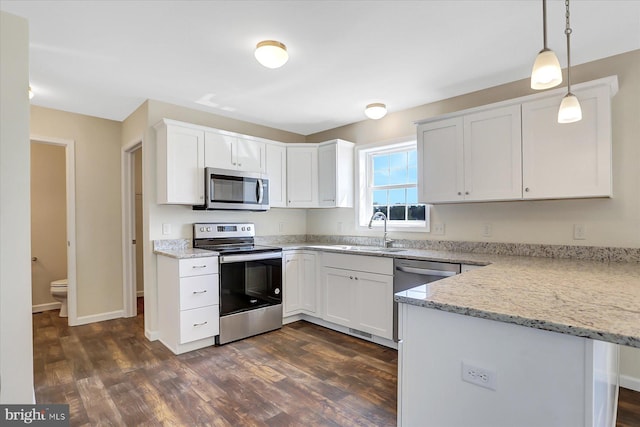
(198, 266)
(198, 291)
(199, 323)
(370, 264)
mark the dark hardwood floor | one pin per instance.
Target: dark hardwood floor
(301, 375)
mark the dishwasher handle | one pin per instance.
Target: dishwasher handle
(426, 271)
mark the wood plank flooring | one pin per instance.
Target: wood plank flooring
(301, 375)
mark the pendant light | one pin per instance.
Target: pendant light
(375, 111)
(546, 71)
(271, 53)
(570, 110)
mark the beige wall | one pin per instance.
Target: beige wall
(48, 219)
(16, 348)
(98, 205)
(608, 222)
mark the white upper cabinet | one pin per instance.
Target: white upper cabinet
(440, 161)
(516, 149)
(475, 157)
(180, 164)
(567, 160)
(232, 152)
(493, 155)
(302, 176)
(335, 172)
(276, 170)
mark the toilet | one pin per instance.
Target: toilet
(59, 293)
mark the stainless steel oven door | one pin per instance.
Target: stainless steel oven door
(250, 281)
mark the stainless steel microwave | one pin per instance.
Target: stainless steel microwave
(235, 190)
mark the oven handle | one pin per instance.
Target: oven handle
(426, 271)
(226, 259)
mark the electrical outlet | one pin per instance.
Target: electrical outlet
(579, 232)
(438, 229)
(479, 376)
(487, 229)
(166, 229)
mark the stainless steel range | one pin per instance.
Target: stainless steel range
(250, 279)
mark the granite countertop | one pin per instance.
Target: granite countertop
(592, 299)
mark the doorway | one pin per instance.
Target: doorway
(132, 239)
(53, 223)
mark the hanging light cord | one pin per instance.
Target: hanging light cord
(567, 31)
(544, 24)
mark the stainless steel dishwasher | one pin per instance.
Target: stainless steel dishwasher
(409, 273)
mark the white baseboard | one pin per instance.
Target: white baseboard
(99, 317)
(329, 325)
(151, 335)
(631, 383)
(39, 308)
(139, 293)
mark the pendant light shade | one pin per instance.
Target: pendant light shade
(271, 53)
(546, 71)
(375, 111)
(570, 110)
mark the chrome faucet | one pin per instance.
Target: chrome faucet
(386, 242)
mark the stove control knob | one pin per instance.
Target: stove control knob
(276, 291)
(249, 228)
(208, 228)
(201, 228)
(243, 228)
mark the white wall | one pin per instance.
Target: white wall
(16, 350)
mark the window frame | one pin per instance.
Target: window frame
(363, 196)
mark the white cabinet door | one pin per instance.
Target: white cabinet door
(180, 165)
(327, 159)
(567, 160)
(440, 161)
(308, 283)
(249, 155)
(230, 152)
(339, 296)
(291, 286)
(335, 172)
(276, 170)
(219, 151)
(299, 283)
(302, 177)
(493, 155)
(374, 304)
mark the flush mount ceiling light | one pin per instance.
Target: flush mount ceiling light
(570, 110)
(271, 53)
(546, 69)
(375, 111)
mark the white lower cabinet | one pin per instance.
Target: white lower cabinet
(358, 293)
(188, 302)
(299, 283)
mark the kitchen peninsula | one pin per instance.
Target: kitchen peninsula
(523, 341)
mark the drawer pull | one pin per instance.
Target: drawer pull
(199, 266)
(195, 325)
(199, 292)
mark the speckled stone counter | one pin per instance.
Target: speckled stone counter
(586, 298)
(592, 299)
(179, 248)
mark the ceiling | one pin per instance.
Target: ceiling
(104, 58)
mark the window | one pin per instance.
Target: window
(388, 184)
